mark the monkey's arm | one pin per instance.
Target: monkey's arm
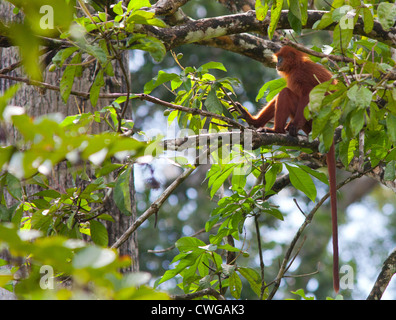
(261, 119)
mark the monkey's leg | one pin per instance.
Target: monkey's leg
(285, 107)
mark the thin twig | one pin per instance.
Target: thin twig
(153, 208)
(262, 266)
(161, 199)
(199, 294)
(193, 235)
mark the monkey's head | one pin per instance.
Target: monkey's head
(289, 58)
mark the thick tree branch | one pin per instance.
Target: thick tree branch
(228, 32)
(193, 31)
(247, 45)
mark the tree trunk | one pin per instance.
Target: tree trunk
(39, 102)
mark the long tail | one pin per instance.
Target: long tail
(331, 165)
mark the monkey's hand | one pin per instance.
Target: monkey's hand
(240, 109)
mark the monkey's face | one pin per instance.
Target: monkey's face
(279, 62)
(285, 59)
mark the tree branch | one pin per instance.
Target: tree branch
(193, 31)
(140, 96)
(167, 7)
(198, 294)
(385, 276)
(161, 199)
(257, 139)
(153, 208)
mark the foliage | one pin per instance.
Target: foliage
(63, 228)
(53, 261)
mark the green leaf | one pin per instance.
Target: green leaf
(270, 176)
(96, 52)
(118, 8)
(6, 154)
(70, 221)
(106, 169)
(145, 17)
(276, 11)
(93, 257)
(122, 193)
(186, 260)
(95, 88)
(211, 65)
(14, 186)
(302, 181)
(347, 151)
(23, 36)
(318, 175)
(67, 80)
(187, 244)
(360, 95)
(99, 233)
(137, 4)
(212, 102)
(301, 293)
(342, 37)
(261, 8)
(390, 174)
(254, 279)
(317, 95)
(216, 181)
(391, 126)
(53, 194)
(386, 14)
(238, 180)
(368, 20)
(294, 7)
(235, 285)
(304, 11)
(357, 121)
(328, 136)
(327, 19)
(294, 15)
(320, 121)
(153, 46)
(273, 86)
(7, 95)
(160, 79)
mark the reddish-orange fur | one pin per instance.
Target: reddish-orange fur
(302, 75)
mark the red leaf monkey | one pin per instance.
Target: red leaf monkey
(302, 75)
